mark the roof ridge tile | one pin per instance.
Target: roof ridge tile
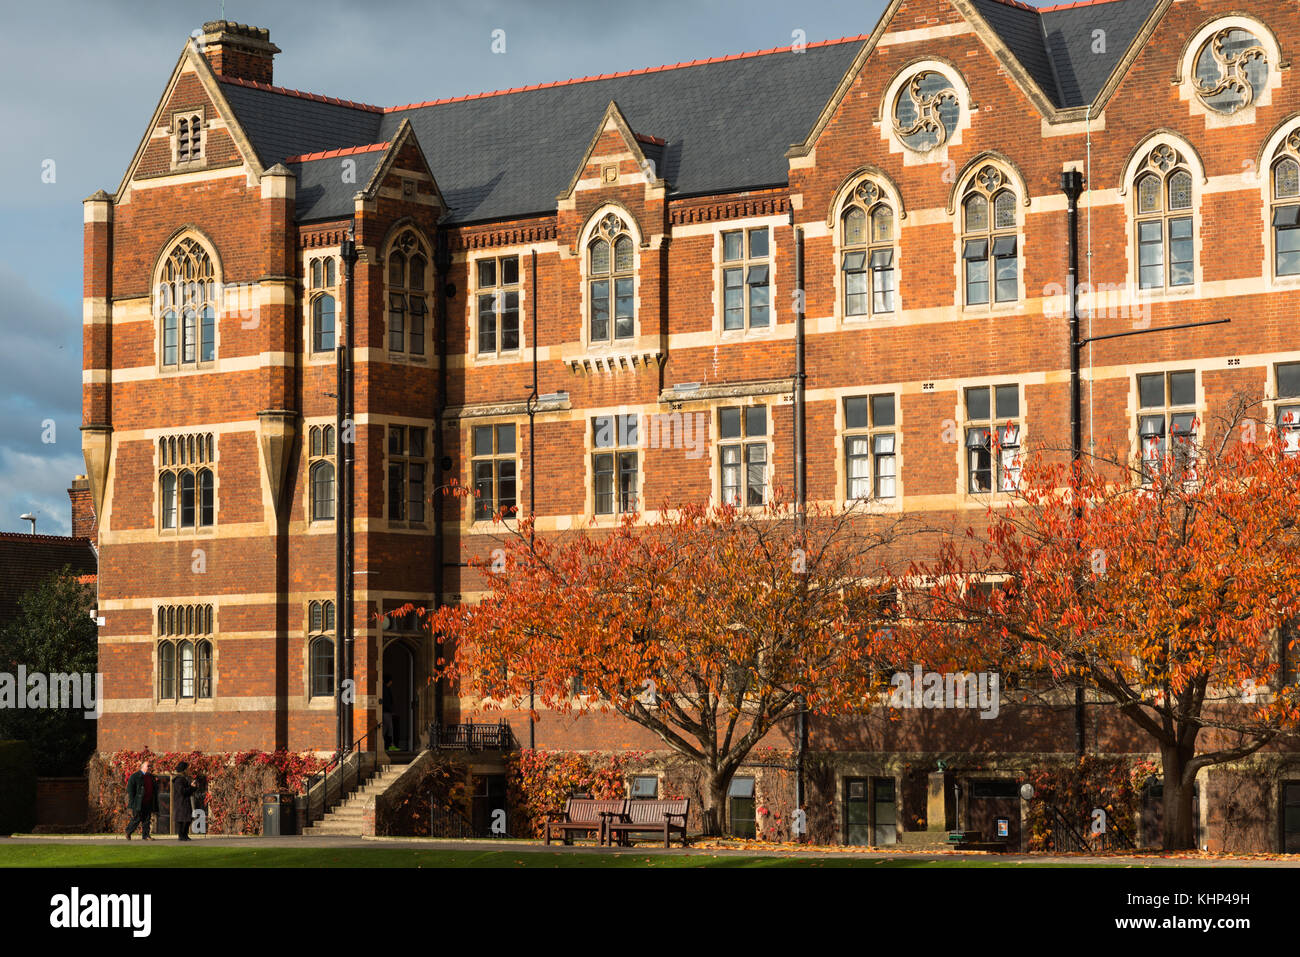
(331, 154)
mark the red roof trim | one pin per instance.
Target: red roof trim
(609, 76)
(330, 154)
(24, 538)
(253, 84)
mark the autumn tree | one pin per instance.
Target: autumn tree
(708, 627)
(1165, 587)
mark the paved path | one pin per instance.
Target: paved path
(417, 843)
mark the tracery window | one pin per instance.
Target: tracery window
(990, 247)
(1231, 70)
(867, 260)
(187, 295)
(408, 301)
(610, 264)
(1165, 223)
(926, 111)
(1285, 180)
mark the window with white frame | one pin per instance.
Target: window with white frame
(1167, 424)
(1166, 251)
(869, 447)
(186, 481)
(498, 305)
(184, 652)
(320, 644)
(408, 303)
(323, 276)
(1287, 410)
(746, 279)
(407, 467)
(993, 453)
(742, 455)
(320, 472)
(187, 296)
(990, 250)
(614, 464)
(610, 281)
(494, 469)
(867, 260)
(1285, 180)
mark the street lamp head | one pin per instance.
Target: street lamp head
(29, 517)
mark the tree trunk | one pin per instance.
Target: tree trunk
(714, 814)
(1179, 823)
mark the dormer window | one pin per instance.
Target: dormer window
(610, 263)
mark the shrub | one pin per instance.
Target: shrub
(17, 787)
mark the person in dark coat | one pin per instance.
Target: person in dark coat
(199, 799)
(141, 801)
(182, 790)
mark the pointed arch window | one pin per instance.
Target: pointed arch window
(867, 239)
(320, 626)
(185, 652)
(408, 301)
(187, 481)
(187, 295)
(610, 266)
(1162, 196)
(321, 472)
(1284, 178)
(990, 246)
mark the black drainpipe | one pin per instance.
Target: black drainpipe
(800, 474)
(532, 475)
(344, 613)
(1072, 186)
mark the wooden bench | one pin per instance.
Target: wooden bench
(650, 817)
(583, 816)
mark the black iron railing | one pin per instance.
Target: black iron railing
(471, 737)
(1067, 838)
(327, 788)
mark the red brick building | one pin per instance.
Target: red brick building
(623, 246)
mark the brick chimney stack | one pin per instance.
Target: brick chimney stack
(238, 51)
(84, 522)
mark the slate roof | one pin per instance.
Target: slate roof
(1057, 47)
(725, 123)
(27, 560)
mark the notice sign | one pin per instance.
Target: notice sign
(1004, 827)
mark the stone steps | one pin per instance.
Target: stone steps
(349, 816)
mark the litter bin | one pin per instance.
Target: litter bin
(277, 814)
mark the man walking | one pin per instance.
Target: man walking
(141, 800)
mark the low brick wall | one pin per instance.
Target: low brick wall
(62, 804)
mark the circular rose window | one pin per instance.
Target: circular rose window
(926, 112)
(1231, 71)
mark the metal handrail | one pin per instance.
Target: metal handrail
(472, 737)
(1109, 839)
(337, 763)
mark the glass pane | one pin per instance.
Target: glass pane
(505, 483)
(418, 265)
(510, 271)
(756, 420)
(857, 455)
(510, 322)
(977, 213)
(603, 431)
(977, 282)
(882, 410)
(855, 226)
(1286, 179)
(207, 498)
(1004, 210)
(187, 499)
(882, 225)
(1007, 402)
(756, 474)
(759, 311)
(977, 404)
(600, 310)
(1288, 251)
(484, 505)
(623, 323)
(1007, 284)
(1180, 190)
(208, 333)
(599, 258)
(482, 440)
(1148, 194)
(416, 447)
(733, 246)
(1288, 380)
(1180, 252)
(758, 243)
(627, 430)
(603, 475)
(505, 440)
(729, 423)
(855, 413)
(1182, 388)
(623, 254)
(627, 462)
(1151, 391)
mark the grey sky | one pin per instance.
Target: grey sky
(81, 79)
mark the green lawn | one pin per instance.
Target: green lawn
(166, 855)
